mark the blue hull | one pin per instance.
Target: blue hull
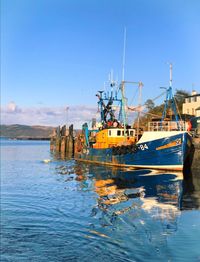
(168, 153)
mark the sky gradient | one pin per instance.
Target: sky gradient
(58, 53)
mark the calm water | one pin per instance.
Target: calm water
(65, 211)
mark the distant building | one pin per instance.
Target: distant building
(198, 111)
(191, 106)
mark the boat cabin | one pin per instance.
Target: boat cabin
(111, 137)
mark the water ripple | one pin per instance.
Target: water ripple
(67, 211)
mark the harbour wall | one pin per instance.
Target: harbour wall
(195, 155)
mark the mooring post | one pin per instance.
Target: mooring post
(53, 141)
(58, 139)
(63, 145)
(63, 140)
(70, 142)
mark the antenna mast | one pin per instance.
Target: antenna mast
(170, 100)
(124, 54)
(123, 85)
(140, 85)
(170, 74)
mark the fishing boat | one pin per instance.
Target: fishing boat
(165, 146)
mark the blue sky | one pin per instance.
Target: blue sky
(58, 53)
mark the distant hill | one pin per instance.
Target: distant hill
(26, 132)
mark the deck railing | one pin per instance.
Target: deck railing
(166, 126)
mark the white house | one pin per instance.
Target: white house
(198, 111)
(191, 106)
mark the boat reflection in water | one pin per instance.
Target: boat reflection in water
(136, 214)
(160, 199)
(120, 191)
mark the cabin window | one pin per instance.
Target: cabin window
(118, 132)
(122, 133)
(131, 133)
(109, 132)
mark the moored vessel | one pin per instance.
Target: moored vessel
(166, 144)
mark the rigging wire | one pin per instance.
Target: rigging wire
(151, 99)
(159, 96)
(134, 95)
(147, 113)
(177, 109)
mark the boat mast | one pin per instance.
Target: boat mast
(140, 85)
(170, 75)
(124, 55)
(170, 100)
(123, 84)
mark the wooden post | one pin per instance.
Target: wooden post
(53, 141)
(63, 145)
(58, 139)
(52, 144)
(58, 144)
(70, 142)
(63, 131)
(70, 149)
(62, 141)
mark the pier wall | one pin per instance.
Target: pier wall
(195, 155)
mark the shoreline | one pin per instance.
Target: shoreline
(26, 138)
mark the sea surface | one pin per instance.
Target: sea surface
(55, 209)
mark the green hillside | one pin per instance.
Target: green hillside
(25, 132)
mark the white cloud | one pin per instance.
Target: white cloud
(12, 108)
(51, 116)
